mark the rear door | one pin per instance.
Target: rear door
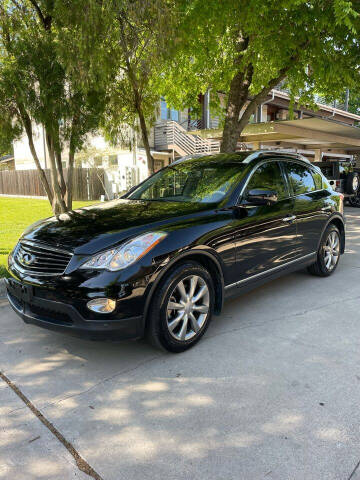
(312, 204)
(266, 236)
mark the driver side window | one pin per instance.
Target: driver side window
(269, 177)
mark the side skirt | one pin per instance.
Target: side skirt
(250, 283)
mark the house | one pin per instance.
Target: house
(329, 132)
(326, 133)
(123, 167)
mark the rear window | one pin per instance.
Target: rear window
(318, 179)
(300, 177)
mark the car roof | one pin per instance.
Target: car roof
(243, 157)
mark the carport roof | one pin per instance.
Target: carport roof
(310, 132)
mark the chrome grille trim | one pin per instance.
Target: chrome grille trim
(46, 260)
(45, 246)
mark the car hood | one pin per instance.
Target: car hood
(90, 229)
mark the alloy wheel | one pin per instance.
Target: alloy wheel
(188, 308)
(332, 251)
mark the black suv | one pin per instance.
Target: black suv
(343, 177)
(161, 260)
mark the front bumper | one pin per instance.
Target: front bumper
(65, 318)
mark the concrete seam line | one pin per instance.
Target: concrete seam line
(354, 471)
(80, 462)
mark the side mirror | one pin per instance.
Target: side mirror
(261, 197)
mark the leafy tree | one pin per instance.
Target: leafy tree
(139, 31)
(39, 85)
(353, 101)
(8, 132)
(246, 48)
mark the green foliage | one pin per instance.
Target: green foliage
(49, 77)
(8, 132)
(138, 31)
(315, 41)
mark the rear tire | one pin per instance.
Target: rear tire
(328, 254)
(181, 308)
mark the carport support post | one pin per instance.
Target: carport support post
(317, 157)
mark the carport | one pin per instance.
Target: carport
(315, 138)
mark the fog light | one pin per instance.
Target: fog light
(102, 305)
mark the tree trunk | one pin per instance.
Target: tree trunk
(237, 98)
(28, 128)
(143, 127)
(239, 95)
(70, 174)
(233, 124)
(145, 139)
(58, 203)
(60, 172)
(137, 97)
(58, 162)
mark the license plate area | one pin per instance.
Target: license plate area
(22, 292)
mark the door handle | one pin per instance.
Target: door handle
(291, 218)
(326, 209)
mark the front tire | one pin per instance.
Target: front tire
(328, 254)
(181, 308)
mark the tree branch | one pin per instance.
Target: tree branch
(24, 116)
(261, 96)
(46, 21)
(38, 11)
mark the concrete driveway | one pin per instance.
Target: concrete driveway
(271, 392)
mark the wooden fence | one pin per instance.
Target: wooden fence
(86, 183)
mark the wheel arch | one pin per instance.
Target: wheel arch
(339, 223)
(204, 258)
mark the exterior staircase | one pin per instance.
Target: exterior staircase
(171, 135)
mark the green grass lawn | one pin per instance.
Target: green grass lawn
(15, 215)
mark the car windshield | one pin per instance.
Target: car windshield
(196, 181)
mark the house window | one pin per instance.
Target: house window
(113, 160)
(174, 114)
(168, 113)
(163, 109)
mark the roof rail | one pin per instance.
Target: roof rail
(191, 156)
(266, 153)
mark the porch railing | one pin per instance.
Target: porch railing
(172, 136)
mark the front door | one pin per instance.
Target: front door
(266, 238)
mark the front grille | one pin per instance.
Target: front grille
(39, 259)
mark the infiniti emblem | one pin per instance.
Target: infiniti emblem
(26, 258)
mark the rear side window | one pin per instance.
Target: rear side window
(300, 177)
(318, 179)
(269, 177)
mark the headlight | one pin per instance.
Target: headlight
(125, 255)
